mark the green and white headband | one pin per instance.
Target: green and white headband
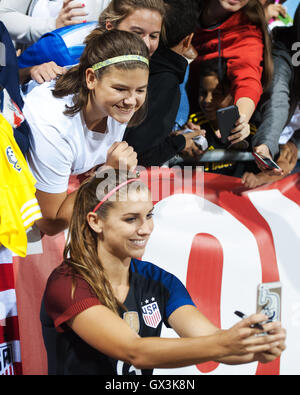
(119, 59)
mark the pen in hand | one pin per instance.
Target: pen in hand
(243, 316)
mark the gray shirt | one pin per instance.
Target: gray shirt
(275, 105)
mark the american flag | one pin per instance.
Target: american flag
(151, 313)
(10, 353)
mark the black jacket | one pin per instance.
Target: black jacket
(151, 140)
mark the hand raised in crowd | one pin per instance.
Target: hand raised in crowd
(274, 11)
(251, 180)
(41, 73)
(264, 151)
(241, 130)
(69, 13)
(286, 161)
(191, 150)
(46, 72)
(121, 156)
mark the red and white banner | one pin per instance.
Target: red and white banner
(10, 357)
(221, 244)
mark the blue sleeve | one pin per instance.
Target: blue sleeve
(63, 46)
(177, 294)
(51, 47)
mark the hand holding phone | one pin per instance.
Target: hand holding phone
(267, 163)
(227, 118)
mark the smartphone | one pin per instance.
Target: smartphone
(269, 163)
(227, 118)
(269, 300)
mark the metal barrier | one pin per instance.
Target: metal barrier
(218, 155)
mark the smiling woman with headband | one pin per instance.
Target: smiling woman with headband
(103, 307)
(78, 121)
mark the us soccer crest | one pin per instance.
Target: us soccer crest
(151, 313)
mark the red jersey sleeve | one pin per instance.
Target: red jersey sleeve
(59, 303)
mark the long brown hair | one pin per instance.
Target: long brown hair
(81, 252)
(101, 46)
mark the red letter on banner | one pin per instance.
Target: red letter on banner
(204, 281)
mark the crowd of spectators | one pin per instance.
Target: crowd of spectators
(252, 66)
(140, 82)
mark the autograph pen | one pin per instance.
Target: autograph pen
(243, 316)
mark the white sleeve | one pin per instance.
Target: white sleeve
(21, 27)
(50, 158)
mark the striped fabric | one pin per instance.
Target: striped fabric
(30, 212)
(10, 353)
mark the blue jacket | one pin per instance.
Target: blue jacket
(63, 46)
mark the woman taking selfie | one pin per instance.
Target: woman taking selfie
(103, 308)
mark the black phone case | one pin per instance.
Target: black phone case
(227, 118)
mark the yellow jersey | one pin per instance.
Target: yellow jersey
(19, 208)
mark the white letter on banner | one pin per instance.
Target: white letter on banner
(283, 217)
(178, 219)
(296, 56)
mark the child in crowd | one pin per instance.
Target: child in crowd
(97, 308)
(238, 32)
(78, 121)
(215, 93)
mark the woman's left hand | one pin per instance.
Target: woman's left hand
(274, 352)
(241, 130)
